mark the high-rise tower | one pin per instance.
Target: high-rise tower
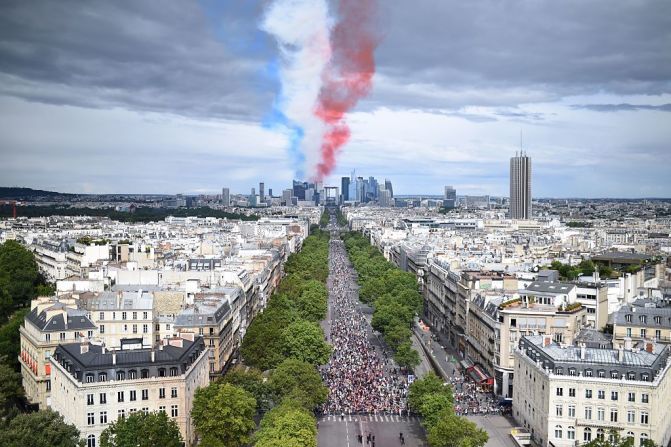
(520, 186)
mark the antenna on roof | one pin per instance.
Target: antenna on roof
(521, 150)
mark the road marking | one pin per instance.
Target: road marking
(347, 432)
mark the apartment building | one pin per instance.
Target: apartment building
(49, 323)
(566, 395)
(93, 386)
(642, 320)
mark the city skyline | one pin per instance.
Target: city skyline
(593, 101)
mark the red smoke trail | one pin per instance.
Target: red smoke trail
(348, 76)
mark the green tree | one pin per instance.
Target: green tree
(252, 381)
(406, 357)
(287, 426)
(396, 335)
(142, 430)
(262, 347)
(312, 303)
(429, 384)
(300, 381)
(304, 340)
(455, 431)
(44, 428)
(433, 406)
(11, 390)
(223, 415)
(19, 278)
(10, 342)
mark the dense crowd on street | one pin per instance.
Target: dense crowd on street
(470, 399)
(360, 378)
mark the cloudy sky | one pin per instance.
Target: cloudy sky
(171, 96)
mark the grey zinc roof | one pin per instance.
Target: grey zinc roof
(203, 313)
(550, 287)
(571, 354)
(664, 313)
(76, 319)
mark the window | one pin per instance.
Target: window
(559, 410)
(123, 315)
(627, 318)
(600, 414)
(571, 411)
(613, 414)
(571, 371)
(628, 332)
(48, 385)
(90, 378)
(145, 328)
(161, 372)
(658, 320)
(614, 375)
(644, 417)
(601, 373)
(157, 327)
(631, 376)
(571, 392)
(161, 393)
(144, 315)
(613, 395)
(89, 334)
(588, 394)
(103, 398)
(173, 372)
(588, 413)
(120, 375)
(135, 329)
(559, 371)
(644, 437)
(89, 399)
(173, 411)
(631, 397)
(644, 377)
(643, 331)
(102, 377)
(601, 394)
(47, 337)
(91, 441)
(600, 433)
(560, 391)
(173, 393)
(644, 398)
(62, 336)
(90, 418)
(558, 431)
(200, 331)
(145, 410)
(588, 373)
(121, 414)
(103, 417)
(145, 394)
(134, 315)
(587, 434)
(570, 433)
(161, 408)
(119, 396)
(102, 316)
(133, 395)
(102, 328)
(144, 374)
(630, 434)
(132, 374)
(113, 315)
(631, 416)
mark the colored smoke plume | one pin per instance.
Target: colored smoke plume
(326, 67)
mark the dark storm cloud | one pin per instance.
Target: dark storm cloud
(551, 48)
(150, 56)
(622, 107)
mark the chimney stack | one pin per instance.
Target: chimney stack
(649, 347)
(84, 348)
(113, 358)
(620, 354)
(153, 356)
(583, 351)
(627, 343)
(547, 341)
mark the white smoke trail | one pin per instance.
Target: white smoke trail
(302, 30)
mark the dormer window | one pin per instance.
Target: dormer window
(643, 319)
(627, 318)
(120, 375)
(658, 320)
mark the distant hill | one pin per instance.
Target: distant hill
(16, 193)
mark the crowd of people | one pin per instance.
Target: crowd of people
(360, 378)
(470, 399)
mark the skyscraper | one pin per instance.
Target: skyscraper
(226, 197)
(520, 186)
(262, 190)
(388, 187)
(344, 187)
(450, 199)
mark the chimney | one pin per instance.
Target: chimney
(547, 341)
(627, 343)
(84, 348)
(113, 358)
(153, 356)
(583, 351)
(649, 347)
(620, 354)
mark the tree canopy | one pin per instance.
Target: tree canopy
(252, 381)
(299, 380)
(142, 430)
(287, 425)
(19, 278)
(223, 415)
(44, 428)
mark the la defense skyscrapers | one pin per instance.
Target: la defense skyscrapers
(520, 186)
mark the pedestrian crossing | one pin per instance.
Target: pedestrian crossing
(368, 418)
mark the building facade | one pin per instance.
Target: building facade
(520, 187)
(93, 387)
(568, 395)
